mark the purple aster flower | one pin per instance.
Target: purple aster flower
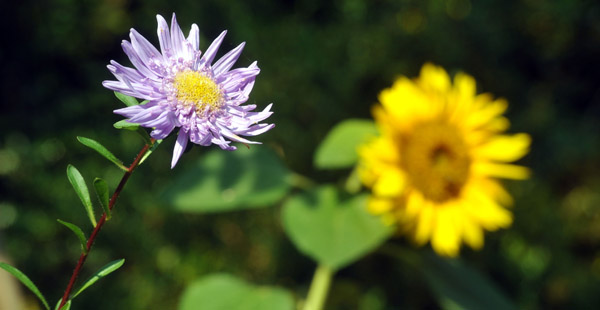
(185, 89)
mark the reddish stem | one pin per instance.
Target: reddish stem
(101, 222)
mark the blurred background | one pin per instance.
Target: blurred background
(322, 62)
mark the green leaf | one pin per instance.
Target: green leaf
(332, 232)
(26, 281)
(78, 232)
(226, 292)
(103, 272)
(102, 192)
(222, 181)
(102, 151)
(82, 191)
(151, 150)
(124, 124)
(67, 305)
(459, 287)
(127, 100)
(338, 149)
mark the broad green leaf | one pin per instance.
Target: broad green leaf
(102, 151)
(223, 181)
(338, 149)
(82, 191)
(331, 231)
(124, 124)
(26, 281)
(78, 232)
(67, 305)
(459, 287)
(103, 272)
(226, 292)
(127, 100)
(102, 192)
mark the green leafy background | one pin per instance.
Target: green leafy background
(321, 62)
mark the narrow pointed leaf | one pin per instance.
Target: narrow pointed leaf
(102, 151)
(124, 124)
(102, 192)
(103, 272)
(78, 232)
(152, 149)
(82, 191)
(26, 281)
(127, 100)
(67, 305)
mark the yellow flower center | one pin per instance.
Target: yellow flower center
(436, 160)
(198, 89)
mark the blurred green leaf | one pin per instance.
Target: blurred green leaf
(103, 272)
(82, 191)
(226, 292)
(333, 232)
(127, 100)
(26, 281)
(338, 149)
(459, 287)
(67, 305)
(102, 192)
(78, 232)
(223, 181)
(102, 150)
(124, 124)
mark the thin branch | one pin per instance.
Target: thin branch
(101, 222)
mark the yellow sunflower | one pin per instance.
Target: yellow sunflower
(433, 169)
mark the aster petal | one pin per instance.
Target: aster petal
(145, 49)
(137, 61)
(194, 37)
(228, 60)
(256, 130)
(177, 39)
(164, 37)
(227, 133)
(211, 51)
(134, 110)
(180, 144)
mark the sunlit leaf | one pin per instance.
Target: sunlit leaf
(151, 150)
(226, 292)
(338, 149)
(102, 151)
(333, 232)
(223, 181)
(459, 287)
(67, 305)
(82, 191)
(127, 100)
(124, 124)
(103, 272)
(102, 192)
(78, 232)
(26, 281)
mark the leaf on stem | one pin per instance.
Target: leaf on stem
(78, 232)
(94, 145)
(26, 281)
(127, 100)
(67, 305)
(152, 149)
(103, 272)
(102, 192)
(82, 191)
(124, 124)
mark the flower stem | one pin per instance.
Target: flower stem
(317, 294)
(101, 222)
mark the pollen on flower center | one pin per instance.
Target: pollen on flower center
(436, 159)
(192, 87)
